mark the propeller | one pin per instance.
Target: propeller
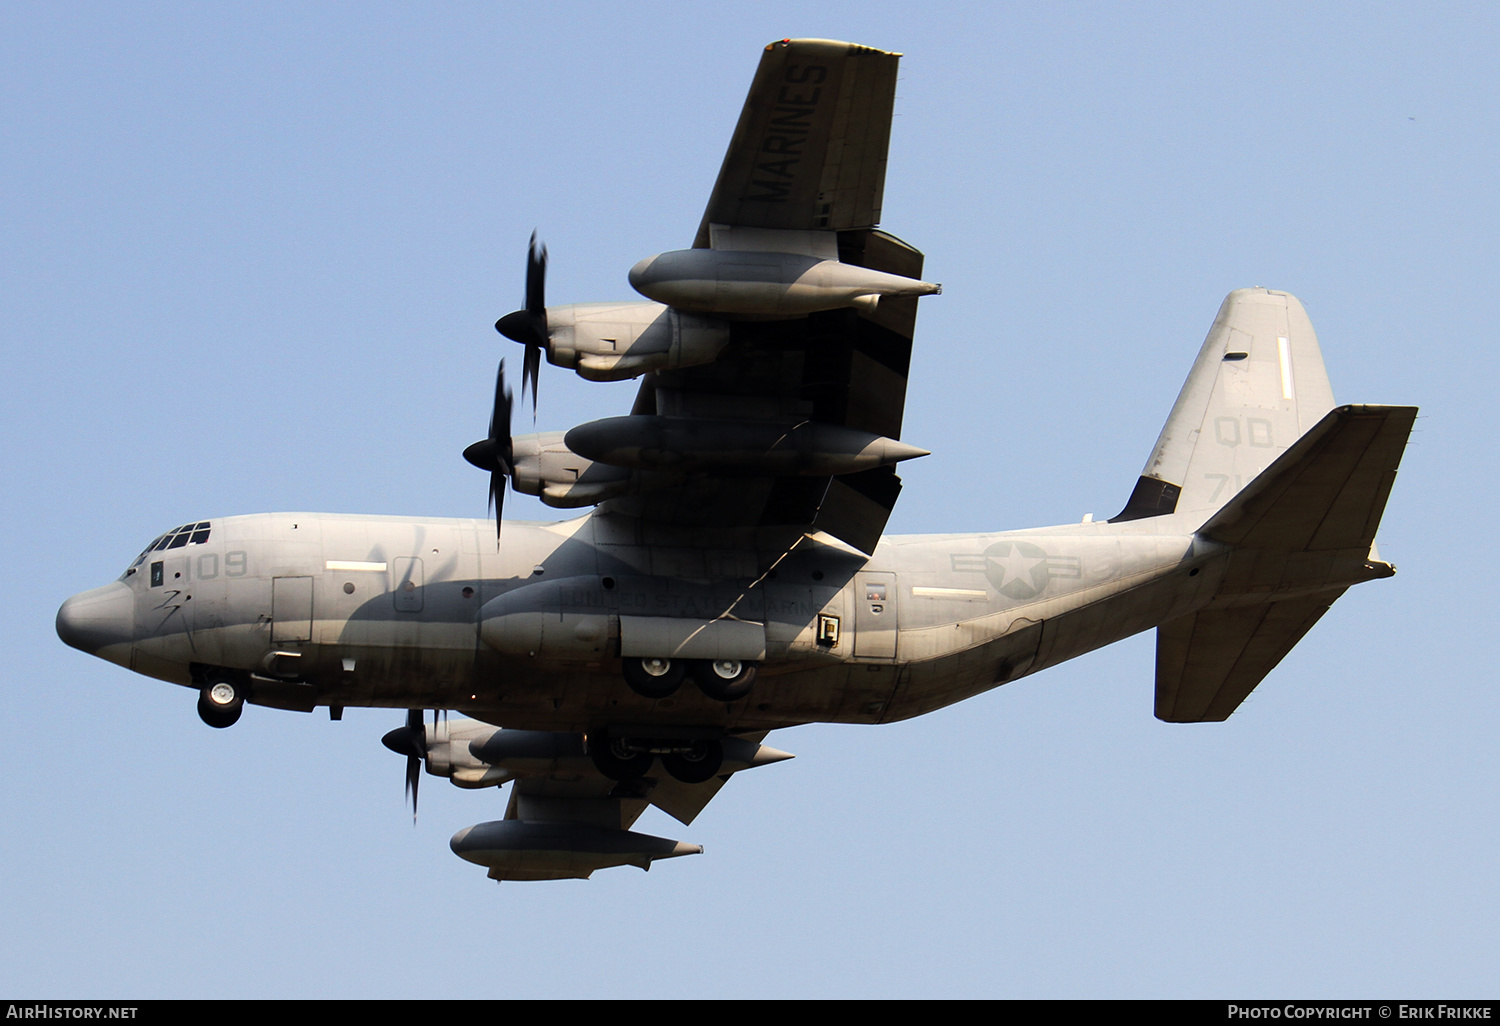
(495, 453)
(410, 741)
(529, 325)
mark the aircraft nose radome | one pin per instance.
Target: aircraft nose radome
(100, 622)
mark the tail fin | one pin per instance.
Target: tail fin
(1257, 386)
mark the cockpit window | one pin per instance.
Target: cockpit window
(187, 534)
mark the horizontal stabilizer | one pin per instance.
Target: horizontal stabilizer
(1327, 491)
(1208, 663)
(1302, 531)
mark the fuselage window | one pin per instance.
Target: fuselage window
(156, 574)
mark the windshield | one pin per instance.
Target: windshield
(187, 534)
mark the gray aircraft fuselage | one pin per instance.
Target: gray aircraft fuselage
(337, 610)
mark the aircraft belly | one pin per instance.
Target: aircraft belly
(934, 683)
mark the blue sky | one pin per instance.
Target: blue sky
(251, 256)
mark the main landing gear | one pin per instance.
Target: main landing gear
(221, 701)
(723, 680)
(627, 758)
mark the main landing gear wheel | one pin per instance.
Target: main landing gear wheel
(654, 678)
(617, 760)
(724, 680)
(698, 764)
(220, 702)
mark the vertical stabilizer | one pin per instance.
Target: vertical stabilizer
(1257, 386)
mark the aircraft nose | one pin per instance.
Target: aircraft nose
(100, 622)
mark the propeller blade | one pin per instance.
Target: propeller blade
(536, 279)
(531, 371)
(410, 741)
(536, 306)
(418, 733)
(497, 500)
(529, 324)
(496, 454)
(500, 419)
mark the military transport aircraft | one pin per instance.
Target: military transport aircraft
(735, 536)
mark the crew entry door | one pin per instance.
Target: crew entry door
(875, 615)
(291, 610)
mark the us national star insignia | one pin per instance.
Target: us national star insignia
(1018, 570)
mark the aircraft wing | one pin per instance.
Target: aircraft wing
(805, 167)
(568, 798)
(810, 148)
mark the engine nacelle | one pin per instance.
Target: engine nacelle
(449, 747)
(764, 284)
(615, 341)
(544, 466)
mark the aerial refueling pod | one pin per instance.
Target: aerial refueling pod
(645, 442)
(515, 849)
(765, 284)
(615, 341)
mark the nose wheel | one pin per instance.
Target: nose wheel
(221, 701)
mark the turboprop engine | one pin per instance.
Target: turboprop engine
(544, 466)
(615, 341)
(757, 283)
